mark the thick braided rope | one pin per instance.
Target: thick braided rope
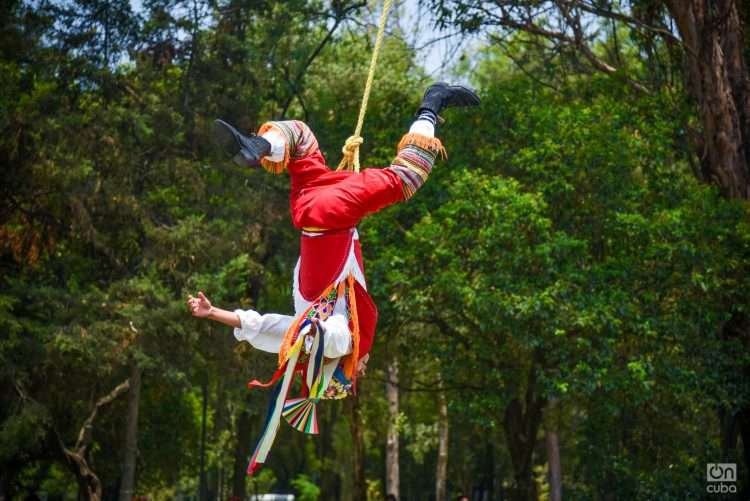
(351, 147)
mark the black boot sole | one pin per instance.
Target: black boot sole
(226, 138)
(468, 97)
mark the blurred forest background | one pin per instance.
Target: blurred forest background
(563, 307)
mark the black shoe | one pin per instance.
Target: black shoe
(246, 151)
(440, 95)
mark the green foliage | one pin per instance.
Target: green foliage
(574, 257)
(306, 489)
(263, 482)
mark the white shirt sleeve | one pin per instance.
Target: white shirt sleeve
(338, 339)
(266, 332)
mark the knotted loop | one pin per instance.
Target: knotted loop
(351, 148)
(350, 161)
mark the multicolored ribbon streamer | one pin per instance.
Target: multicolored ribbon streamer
(278, 398)
(301, 413)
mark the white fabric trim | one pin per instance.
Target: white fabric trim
(423, 127)
(300, 303)
(352, 266)
(310, 373)
(261, 451)
(328, 370)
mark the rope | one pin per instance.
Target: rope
(351, 146)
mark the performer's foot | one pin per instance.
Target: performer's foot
(246, 151)
(441, 95)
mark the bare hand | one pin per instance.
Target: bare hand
(362, 365)
(200, 307)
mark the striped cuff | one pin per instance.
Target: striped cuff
(414, 161)
(300, 141)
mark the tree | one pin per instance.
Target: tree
(562, 272)
(533, 302)
(90, 486)
(127, 485)
(704, 40)
(392, 475)
(709, 39)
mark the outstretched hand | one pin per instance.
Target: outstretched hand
(200, 307)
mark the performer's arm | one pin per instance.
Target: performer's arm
(266, 332)
(201, 307)
(338, 338)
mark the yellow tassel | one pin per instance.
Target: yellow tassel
(432, 144)
(350, 363)
(289, 337)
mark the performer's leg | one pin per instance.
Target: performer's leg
(290, 140)
(418, 148)
(246, 151)
(276, 144)
(346, 202)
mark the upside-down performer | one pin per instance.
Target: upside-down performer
(328, 339)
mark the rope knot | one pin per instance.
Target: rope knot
(351, 147)
(351, 153)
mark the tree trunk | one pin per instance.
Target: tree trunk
(241, 453)
(358, 448)
(735, 423)
(330, 481)
(391, 447)
(552, 445)
(127, 484)
(728, 424)
(441, 470)
(717, 78)
(89, 485)
(4, 484)
(743, 420)
(203, 480)
(219, 424)
(8, 473)
(521, 423)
